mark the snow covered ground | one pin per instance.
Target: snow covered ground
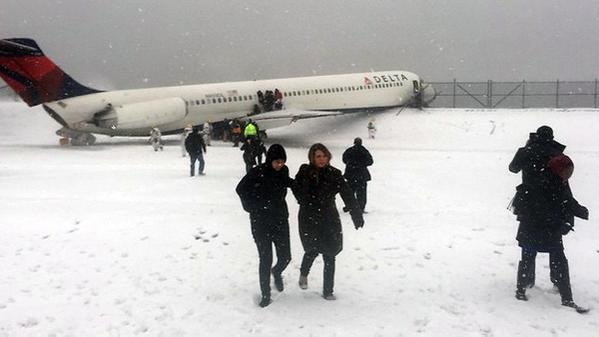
(117, 240)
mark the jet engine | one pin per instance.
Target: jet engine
(141, 115)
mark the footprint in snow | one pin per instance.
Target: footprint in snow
(30, 322)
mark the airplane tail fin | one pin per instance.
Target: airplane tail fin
(33, 76)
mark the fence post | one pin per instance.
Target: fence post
(523, 93)
(595, 96)
(454, 85)
(489, 94)
(557, 94)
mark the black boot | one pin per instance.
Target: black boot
(521, 294)
(265, 301)
(560, 274)
(278, 281)
(579, 309)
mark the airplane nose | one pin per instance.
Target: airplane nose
(428, 94)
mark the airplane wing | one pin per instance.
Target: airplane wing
(275, 119)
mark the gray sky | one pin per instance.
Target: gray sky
(135, 44)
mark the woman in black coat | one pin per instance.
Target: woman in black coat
(262, 192)
(545, 208)
(315, 188)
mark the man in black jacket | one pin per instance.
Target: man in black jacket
(195, 146)
(545, 208)
(262, 192)
(357, 159)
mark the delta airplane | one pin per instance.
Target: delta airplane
(83, 111)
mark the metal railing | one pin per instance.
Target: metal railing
(492, 95)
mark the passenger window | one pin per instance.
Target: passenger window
(203, 102)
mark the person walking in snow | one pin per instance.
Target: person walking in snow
(188, 130)
(250, 130)
(545, 208)
(207, 132)
(357, 159)
(262, 192)
(249, 153)
(259, 149)
(235, 132)
(195, 146)
(156, 139)
(371, 129)
(315, 188)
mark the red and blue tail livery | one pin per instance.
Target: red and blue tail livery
(25, 68)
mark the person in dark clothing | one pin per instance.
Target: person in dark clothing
(357, 159)
(196, 147)
(262, 192)
(260, 96)
(256, 110)
(235, 132)
(260, 150)
(278, 99)
(315, 188)
(249, 153)
(269, 100)
(545, 208)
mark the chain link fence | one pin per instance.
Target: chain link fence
(492, 95)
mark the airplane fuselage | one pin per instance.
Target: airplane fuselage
(172, 108)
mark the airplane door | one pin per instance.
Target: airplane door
(416, 87)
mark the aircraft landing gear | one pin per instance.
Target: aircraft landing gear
(75, 138)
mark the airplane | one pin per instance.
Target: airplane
(83, 111)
